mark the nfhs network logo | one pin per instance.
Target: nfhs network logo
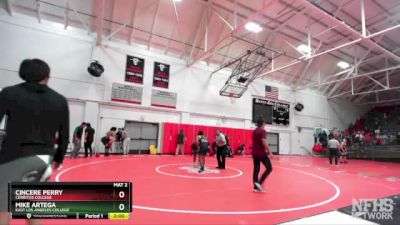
(373, 209)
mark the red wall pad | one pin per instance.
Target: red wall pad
(248, 140)
(237, 137)
(188, 130)
(170, 138)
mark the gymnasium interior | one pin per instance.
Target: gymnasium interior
(312, 69)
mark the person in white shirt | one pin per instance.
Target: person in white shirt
(221, 149)
(125, 141)
(343, 151)
(333, 146)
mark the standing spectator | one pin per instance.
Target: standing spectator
(241, 149)
(181, 143)
(118, 141)
(125, 141)
(333, 145)
(77, 140)
(323, 139)
(204, 146)
(35, 113)
(343, 151)
(89, 136)
(221, 149)
(360, 139)
(260, 154)
(110, 140)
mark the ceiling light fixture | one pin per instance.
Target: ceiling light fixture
(343, 64)
(253, 27)
(305, 49)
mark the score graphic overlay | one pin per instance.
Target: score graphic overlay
(70, 200)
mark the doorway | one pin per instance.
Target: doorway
(273, 141)
(141, 135)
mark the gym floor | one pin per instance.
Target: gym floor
(168, 190)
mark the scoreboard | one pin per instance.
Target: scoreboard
(70, 200)
(273, 112)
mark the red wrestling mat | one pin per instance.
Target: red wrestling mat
(168, 189)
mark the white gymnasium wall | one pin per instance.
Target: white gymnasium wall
(68, 52)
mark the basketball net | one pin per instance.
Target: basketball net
(233, 100)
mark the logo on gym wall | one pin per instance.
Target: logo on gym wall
(161, 75)
(134, 69)
(191, 169)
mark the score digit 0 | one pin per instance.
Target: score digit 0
(121, 194)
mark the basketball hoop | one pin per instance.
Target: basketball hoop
(232, 99)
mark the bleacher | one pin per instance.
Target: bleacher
(380, 128)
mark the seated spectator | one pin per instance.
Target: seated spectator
(317, 148)
(241, 149)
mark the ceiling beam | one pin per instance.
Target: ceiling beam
(116, 31)
(380, 102)
(353, 77)
(220, 34)
(169, 41)
(222, 18)
(178, 22)
(295, 62)
(376, 91)
(234, 14)
(239, 27)
(354, 68)
(100, 21)
(8, 7)
(38, 14)
(340, 23)
(388, 73)
(353, 89)
(133, 22)
(113, 8)
(338, 84)
(377, 82)
(66, 14)
(153, 24)
(357, 64)
(81, 20)
(196, 36)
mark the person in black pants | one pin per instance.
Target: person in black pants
(333, 145)
(221, 149)
(89, 134)
(260, 153)
(35, 114)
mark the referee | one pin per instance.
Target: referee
(34, 114)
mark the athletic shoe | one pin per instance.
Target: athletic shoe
(259, 186)
(256, 190)
(201, 170)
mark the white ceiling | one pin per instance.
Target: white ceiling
(179, 28)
